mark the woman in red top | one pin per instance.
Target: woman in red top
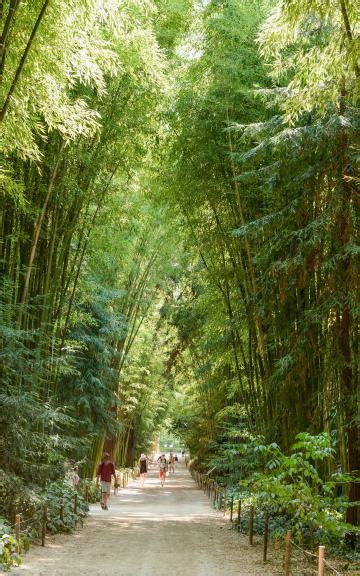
(104, 472)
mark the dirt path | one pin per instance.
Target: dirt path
(153, 531)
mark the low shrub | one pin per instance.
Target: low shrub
(9, 554)
(66, 507)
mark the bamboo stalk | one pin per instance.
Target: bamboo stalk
(37, 230)
(22, 61)
(6, 33)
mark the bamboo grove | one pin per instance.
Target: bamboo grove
(179, 219)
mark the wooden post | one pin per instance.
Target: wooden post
(321, 566)
(225, 501)
(75, 503)
(239, 515)
(287, 553)
(17, 531)
(44, 522)
(251, 525)
(266, 535)
(62, 511)
(231, 508)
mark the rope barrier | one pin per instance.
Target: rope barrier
(334, 571)
(203, 481)
(310, 555)
(28, 523)
(305, 552)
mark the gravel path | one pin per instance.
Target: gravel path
(150, 531)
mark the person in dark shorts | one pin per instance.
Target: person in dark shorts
(143, 466)
(105, 471)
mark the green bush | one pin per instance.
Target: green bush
(62, 516)
(89, 490)
(9, 555)
(293, 488)
(16, 497)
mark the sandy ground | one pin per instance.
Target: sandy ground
(168, 531)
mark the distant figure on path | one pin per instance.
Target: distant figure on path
(163, 466)
(171, 463)
(72, 477)
(75, 478)
(104, 473)
(143, 465)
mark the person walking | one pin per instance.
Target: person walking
(171, 463)
(143, 466)
(105, 471)
(163, 466)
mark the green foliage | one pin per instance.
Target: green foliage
(179, 225)
(260, 169)
(62, 516)
(314, 44)
(290, 487)
(83, 252)
(89, 490)
(9, 555)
